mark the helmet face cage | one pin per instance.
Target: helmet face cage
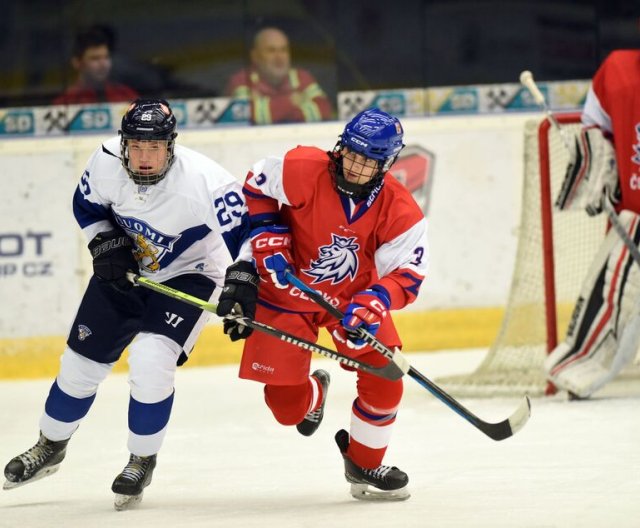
(375, 135)
(147, 120)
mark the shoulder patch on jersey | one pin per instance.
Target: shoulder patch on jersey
(336, 261)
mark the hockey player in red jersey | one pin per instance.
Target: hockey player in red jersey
(351, 231)
(605, 166)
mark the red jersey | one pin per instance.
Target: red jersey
(339, 246)
(111, 93)
(298, 98)
(613, 104)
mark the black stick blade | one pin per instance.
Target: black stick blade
(510, 426)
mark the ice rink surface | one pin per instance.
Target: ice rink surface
(227, 463)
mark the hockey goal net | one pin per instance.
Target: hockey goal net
(555, 250)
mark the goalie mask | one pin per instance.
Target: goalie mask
(365, 151)
(147, 137)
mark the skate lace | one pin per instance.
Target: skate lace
(378, 473)
(314, 416)
(135, 469)
(36, 456)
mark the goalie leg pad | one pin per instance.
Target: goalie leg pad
(604, 332)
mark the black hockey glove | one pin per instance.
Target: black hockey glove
(112, 258)
(238, 297)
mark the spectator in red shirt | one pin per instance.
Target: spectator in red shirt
(277, 92)
(92, 60)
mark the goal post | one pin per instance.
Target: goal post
(554, 251)
(551, 174)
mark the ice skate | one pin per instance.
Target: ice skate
(313, 419)
(389, 483)
(42, 460)
(129, 485)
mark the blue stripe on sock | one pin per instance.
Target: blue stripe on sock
(64, 408)
(149, 418)
(371, 416)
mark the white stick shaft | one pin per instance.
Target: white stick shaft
(526, 78)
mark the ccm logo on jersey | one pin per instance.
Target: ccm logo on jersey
(273, 241)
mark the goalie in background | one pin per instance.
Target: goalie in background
(604, 331)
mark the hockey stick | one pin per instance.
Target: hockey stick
(526, 78)
(392, 371)
(496, 431)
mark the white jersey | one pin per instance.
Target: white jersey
(193, 221)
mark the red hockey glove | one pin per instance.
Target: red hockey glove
(367, 310)
(271, 251)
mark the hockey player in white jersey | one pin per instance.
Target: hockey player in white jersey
(163, 211)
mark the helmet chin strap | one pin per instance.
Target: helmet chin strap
(347, 188)
(148, 179)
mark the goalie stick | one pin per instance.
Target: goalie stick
(395, 369)
(496, 431)
(526, 78)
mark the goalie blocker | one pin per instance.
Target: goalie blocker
(604, 331)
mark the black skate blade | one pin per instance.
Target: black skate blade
(126, 502)
(364, 492)
(45, 472)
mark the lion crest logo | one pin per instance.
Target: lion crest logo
(336, 261)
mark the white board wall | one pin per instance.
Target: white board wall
(473, 219)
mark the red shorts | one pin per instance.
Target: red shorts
(269, 360)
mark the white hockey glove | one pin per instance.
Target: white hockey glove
(591, 175)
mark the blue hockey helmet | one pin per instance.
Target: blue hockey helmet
(147, 120)
(375, 135)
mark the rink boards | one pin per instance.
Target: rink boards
(34, 357)
(473, 211)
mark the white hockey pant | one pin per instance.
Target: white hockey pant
(604, 331)
(152, 366)
(72, 394)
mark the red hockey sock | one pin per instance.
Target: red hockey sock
(290, 403)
